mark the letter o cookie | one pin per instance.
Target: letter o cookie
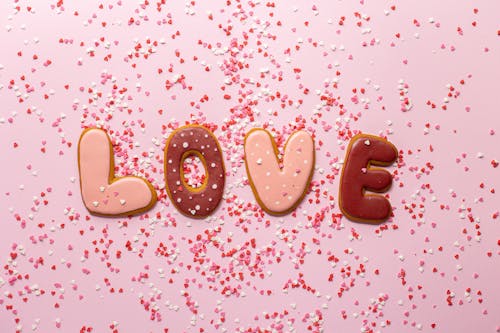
(194, 140)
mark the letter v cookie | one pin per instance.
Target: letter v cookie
(279, 190)
(102, 192)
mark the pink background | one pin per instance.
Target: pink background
(444, 237)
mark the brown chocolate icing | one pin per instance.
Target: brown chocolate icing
(194, 140)
(357, 177)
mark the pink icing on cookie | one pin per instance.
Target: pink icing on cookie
(102, 192)
(279, 190)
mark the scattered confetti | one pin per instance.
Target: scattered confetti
(423, 74)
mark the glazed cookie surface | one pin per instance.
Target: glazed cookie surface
(189, 141)
(358, 176)
(279, 190)
(102, 192)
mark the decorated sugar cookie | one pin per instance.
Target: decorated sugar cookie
(188, 141)
(358, 176)
(103, 193)
(279, 190)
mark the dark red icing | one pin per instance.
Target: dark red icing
(194, 141)
(358, 176)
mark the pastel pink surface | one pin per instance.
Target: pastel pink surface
(123, 195)
(279, 189)
(331, 68)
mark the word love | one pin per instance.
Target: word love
(278, 186)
